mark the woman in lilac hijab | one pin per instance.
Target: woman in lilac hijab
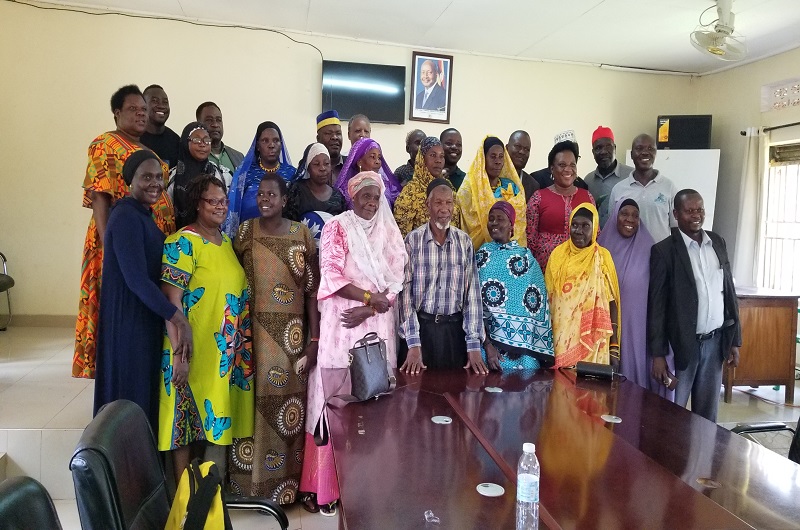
(366, 155)
(629, 243)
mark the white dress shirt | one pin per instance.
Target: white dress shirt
(708, 277)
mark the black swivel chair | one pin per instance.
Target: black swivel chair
(26, 505)
(747, 429)
(6, 283)
(119, 482)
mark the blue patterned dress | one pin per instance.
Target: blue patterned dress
(515, 309)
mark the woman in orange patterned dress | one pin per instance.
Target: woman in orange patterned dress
(102, 187)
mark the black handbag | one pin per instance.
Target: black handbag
(371, 376)
(370, 373)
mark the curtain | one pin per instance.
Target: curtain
(749, 232)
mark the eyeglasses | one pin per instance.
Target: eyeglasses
(216, 202)
(198, 141)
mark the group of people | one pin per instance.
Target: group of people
(230, 280)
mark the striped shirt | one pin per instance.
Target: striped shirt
(440, 280)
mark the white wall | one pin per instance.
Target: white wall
(733, 98)
(59, 70)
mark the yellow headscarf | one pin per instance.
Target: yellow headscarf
(410, 210)
(476, 198)
(581, 283)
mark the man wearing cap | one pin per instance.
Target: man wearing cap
(329, 134)
(440, 305)
(609, 171)
(544, 177)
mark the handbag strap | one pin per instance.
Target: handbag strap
(321, 431)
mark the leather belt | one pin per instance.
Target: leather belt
(438, 319)
(706, 336)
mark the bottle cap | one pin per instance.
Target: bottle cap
(529, 447)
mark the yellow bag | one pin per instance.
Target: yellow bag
(198, 501)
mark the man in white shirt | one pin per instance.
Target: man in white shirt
(692, 307)
(652, 191)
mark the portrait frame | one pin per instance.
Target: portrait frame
(436, 107)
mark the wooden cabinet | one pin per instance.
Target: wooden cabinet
(769, 329)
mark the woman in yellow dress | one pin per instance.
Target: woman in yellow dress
(491, 178)
(206, 397)
(584, 298)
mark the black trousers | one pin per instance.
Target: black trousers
(444, 343)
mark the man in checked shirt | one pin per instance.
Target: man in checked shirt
(440, 311)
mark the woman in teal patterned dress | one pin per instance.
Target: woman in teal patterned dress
(207, 398)
(519, 335)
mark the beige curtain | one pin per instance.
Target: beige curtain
(749, 232)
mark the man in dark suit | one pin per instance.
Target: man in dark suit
(692, 307)
(432, 96)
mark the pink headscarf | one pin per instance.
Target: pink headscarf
(375, 245)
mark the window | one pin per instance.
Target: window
(780, 255)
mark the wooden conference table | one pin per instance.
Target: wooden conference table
(661, 467)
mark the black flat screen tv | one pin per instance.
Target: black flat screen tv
(684, 131)
(377, 90)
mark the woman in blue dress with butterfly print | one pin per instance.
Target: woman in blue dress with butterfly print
(207, 399)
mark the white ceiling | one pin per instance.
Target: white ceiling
(651, 34)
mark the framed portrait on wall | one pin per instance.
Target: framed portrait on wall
(431, 87)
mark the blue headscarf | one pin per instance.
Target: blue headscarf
(244, 186)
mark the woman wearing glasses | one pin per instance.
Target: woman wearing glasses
(206, 399)
(550, 208)
(192, 161)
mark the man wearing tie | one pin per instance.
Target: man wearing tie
(433, 96)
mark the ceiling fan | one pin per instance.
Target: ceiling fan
(721, 42)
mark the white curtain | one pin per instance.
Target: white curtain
(749, 233)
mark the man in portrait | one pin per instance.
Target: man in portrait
(432, 96)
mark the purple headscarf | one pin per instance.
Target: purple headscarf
(631, 257)
(351, 169)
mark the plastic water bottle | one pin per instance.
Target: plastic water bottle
(528, 489)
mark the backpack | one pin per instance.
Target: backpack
(198, 503)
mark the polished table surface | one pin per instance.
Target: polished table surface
(394, 464)
(662, 467)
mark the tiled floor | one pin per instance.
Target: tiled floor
(43, 412)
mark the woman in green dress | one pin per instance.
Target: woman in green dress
(281, 263)
(207, 398)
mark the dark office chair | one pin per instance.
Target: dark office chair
(119, 482)
(6, 283)
(26, 505)
(747, 429)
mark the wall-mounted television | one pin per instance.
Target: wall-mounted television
(684, 131)
(377, 90)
